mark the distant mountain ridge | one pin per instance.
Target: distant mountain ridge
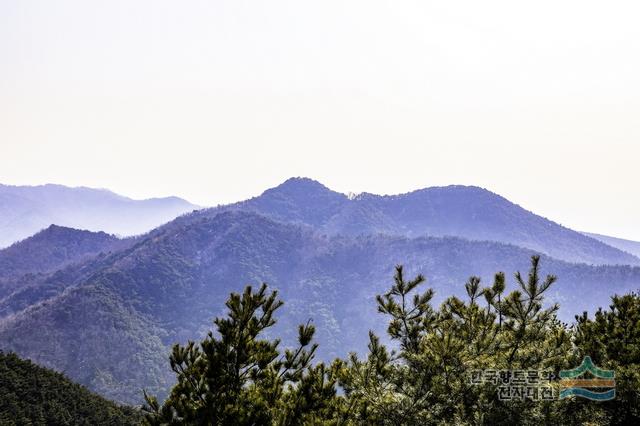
(461, 211)
(632, 247)
(55, 248)
(25, 210)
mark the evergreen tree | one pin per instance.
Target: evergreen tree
(612, 340)
(236, 377)
(427, 381)
(33, 395)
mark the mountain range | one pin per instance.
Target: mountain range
(25, 210)
(464, 211)
(105, 311)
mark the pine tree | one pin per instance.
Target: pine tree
(612, 340)
(427, 380)
(236, 377)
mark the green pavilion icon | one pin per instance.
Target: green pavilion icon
(573, 382)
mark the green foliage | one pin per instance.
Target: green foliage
(612, 339)
(428, 380)
(32, 395)
(419, 374)
(94, 327)
(237, 377)
(125, 310)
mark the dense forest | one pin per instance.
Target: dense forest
(424, 376)
(125, 308)
(423, 371)
(35, 396)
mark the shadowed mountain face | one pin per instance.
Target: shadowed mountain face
(461, 211)
(109, 322)
(25, 210)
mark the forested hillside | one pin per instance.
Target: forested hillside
(124, 310)
(32, 395)
(462, 211)
(489, 357)
(53, 248)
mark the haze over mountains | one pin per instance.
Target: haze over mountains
(106, 311)
(53, 248)
(463, 211)
(25, 210)
(632, 247)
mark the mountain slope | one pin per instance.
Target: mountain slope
(35, 395)
(54, 248)
(123, 315)
(462, 211)
(25, 210)
(91, 335)
(632, 247)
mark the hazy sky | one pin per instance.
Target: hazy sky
(217, 100)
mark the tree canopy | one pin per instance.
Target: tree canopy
(421, 373)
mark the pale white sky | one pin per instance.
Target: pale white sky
(215, 101)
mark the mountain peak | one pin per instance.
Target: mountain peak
(300, 184)
(299, 199)
(57, 230)
(62, 235)
(53, 248)
(462, 189)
